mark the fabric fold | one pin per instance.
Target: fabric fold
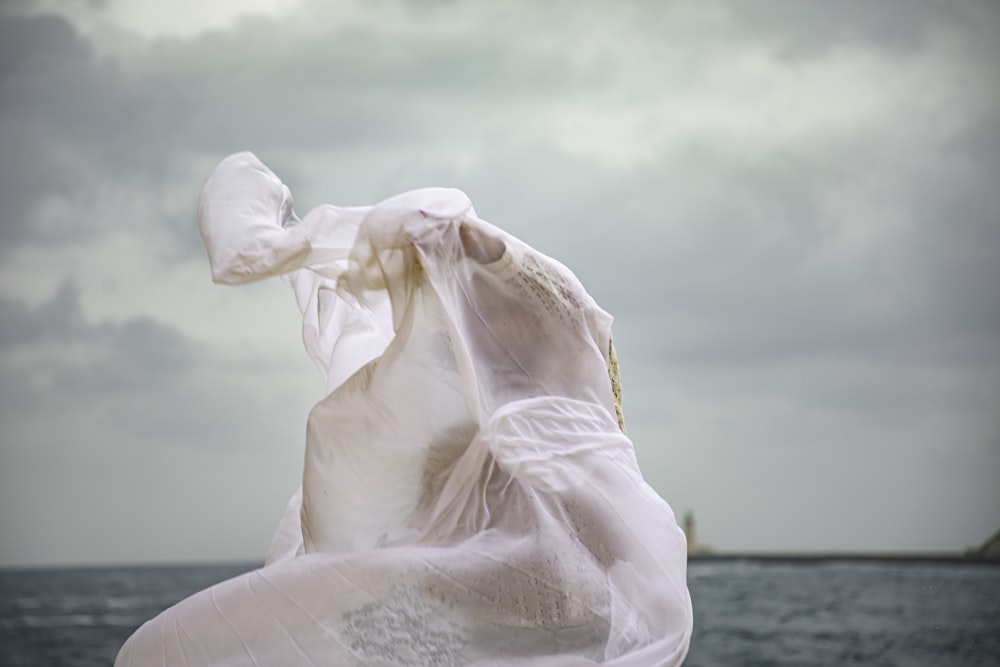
(469, 496)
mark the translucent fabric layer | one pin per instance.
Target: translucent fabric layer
(469, 496)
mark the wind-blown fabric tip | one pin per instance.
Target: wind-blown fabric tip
(469, 496)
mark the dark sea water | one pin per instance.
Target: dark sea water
(746, 613)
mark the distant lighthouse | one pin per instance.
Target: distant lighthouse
(692, 541)
(694, 548)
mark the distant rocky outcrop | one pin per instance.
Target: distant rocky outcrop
(988, 550)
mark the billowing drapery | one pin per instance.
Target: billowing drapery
(469, 496)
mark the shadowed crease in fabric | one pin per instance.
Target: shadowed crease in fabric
(469, 495)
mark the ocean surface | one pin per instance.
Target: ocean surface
(746, 612)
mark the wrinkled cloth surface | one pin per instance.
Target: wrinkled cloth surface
(468, 495)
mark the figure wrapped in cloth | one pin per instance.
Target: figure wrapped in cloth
(469, 495)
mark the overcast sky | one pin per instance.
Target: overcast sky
(791, 207)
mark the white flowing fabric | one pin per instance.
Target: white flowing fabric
(468, 496)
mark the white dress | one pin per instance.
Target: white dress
(468, 497)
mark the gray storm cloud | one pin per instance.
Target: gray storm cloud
(789, 209)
